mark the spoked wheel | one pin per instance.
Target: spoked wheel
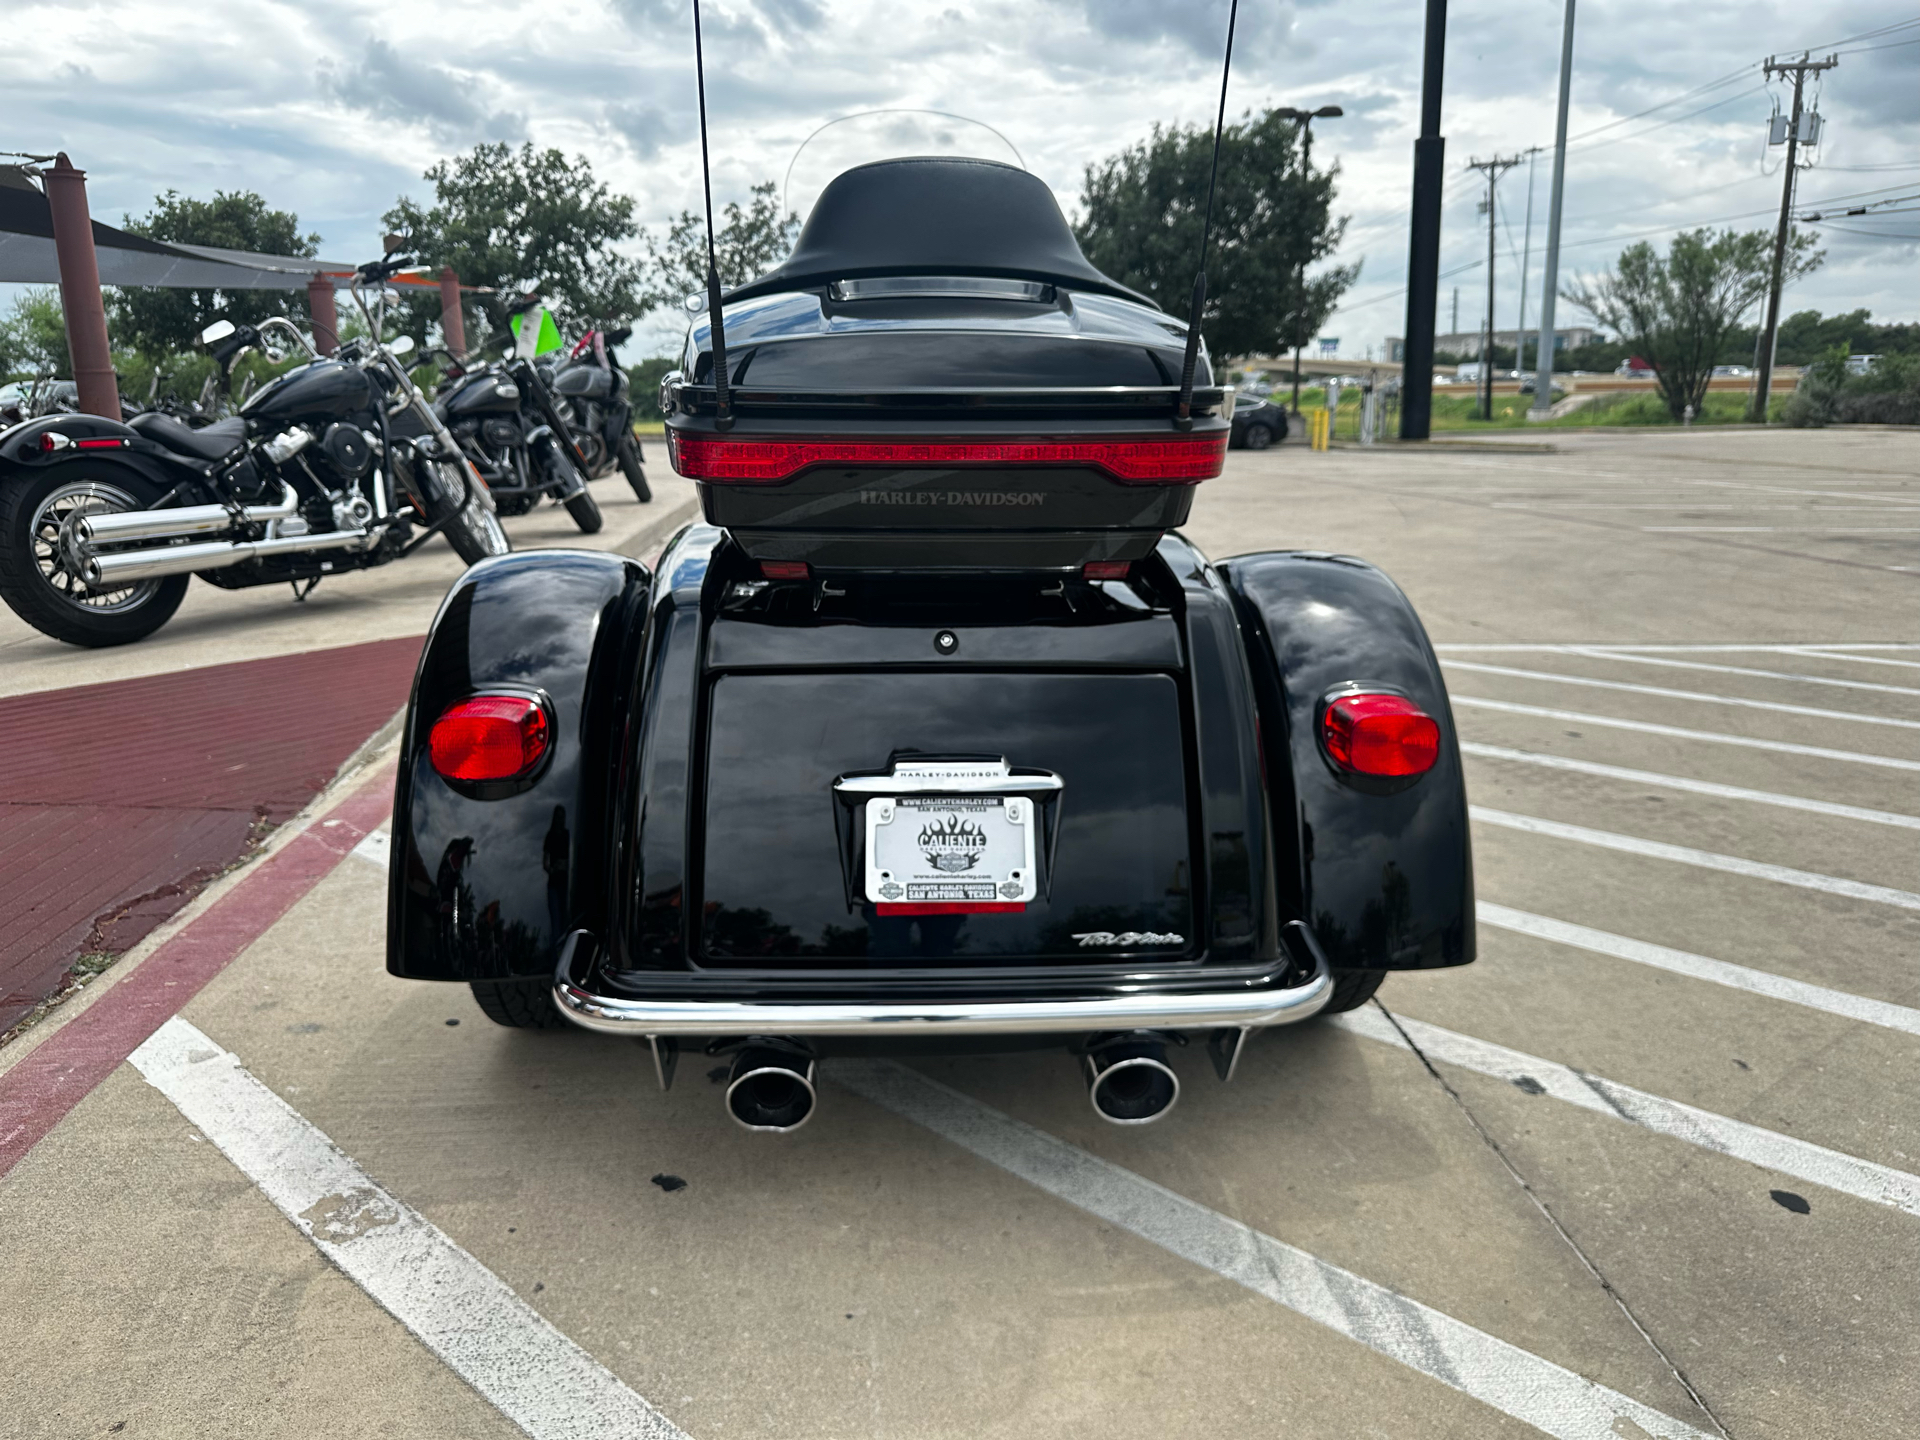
(39, 574)
(475, 532)
(630, 467)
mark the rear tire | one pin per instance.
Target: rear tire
(518, 1004)
(585, 511)
(35, 579)
(474, 533)
(1352, 989)
(630, 467)
(1259, 437)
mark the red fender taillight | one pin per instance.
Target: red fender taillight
(1383, 735)
(490, 737)
(1149, 460)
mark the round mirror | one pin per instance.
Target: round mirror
(218, 330)
(400, 345)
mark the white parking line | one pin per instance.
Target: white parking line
(1786, 1154)
(1671, 663)
(1700, 967)
(1695, 787)
(1514, 1381)
(1835, 654)
(1664, 693)
(1705, 859)
(1781, 529)
(1770, 646)
(375, 848)
(1644, 727)
(459, 1309)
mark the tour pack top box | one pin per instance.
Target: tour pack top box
(937, 378)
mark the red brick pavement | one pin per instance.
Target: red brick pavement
(118, 801)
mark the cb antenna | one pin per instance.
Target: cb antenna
(723, 403)
(1183, 408)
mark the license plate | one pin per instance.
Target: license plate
(949, 854)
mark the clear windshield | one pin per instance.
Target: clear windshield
(857, 139)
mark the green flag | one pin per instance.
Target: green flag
(546, 338)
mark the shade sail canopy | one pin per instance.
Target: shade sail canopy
(27, 253)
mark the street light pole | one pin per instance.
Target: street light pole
(1423, 248)
(1543, 352)
(1305, 118)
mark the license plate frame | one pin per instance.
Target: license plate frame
(950, 854)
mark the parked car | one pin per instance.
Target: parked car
(933, 733)
(1257, 422)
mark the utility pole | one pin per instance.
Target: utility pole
(1454, 329)
(1493, 169)
(1543, 352)
(1305, 119)
(1423, 245)
(1763, 371)
(1526, 258)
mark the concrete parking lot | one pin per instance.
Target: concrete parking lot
(1650, 1167)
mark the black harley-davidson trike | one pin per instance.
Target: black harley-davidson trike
(935, 732)
(102, 523)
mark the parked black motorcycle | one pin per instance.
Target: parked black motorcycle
(506, 421)
(101, 522)
(593, 388)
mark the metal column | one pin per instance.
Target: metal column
(453, 325)
(323, 314)
(86, 313)
(1423, 249)
(1543, 380)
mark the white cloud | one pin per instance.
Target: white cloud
(332, 115)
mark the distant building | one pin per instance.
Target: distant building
(1468, 342)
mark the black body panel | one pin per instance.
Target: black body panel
(319, 390)
(1385, 879)
(773, 886)
(484, 888)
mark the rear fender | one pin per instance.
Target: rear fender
(21, 454)
(1385, 879)
(486, 888)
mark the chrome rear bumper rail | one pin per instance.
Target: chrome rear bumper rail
(1236, 1009)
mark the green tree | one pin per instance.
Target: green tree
(33, 336)
(1677, 311)
(1142, 213)
(517, 220)
(161, 320)
(751, 242)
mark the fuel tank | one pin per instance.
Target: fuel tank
(482, 394)
(317, 392)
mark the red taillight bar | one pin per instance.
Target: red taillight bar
(1142, 461)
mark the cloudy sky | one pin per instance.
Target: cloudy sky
(333, 111)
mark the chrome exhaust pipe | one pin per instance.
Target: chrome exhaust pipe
(109, 572)
(117, 527)
(770, 1089)
(1129, 1080)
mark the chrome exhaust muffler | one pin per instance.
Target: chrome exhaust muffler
(770, 1088)
(108, 572)
(117, 527)
(1129, 1080)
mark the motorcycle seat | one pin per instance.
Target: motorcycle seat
(214, 442)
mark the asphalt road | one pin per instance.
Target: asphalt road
(1650, 1167)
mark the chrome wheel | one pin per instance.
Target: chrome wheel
(55, 553)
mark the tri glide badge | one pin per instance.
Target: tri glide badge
(944, 854)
